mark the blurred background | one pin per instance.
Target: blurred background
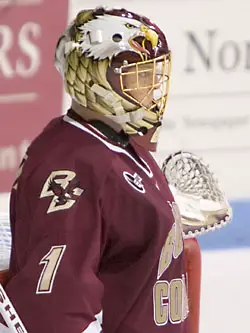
(208, 114)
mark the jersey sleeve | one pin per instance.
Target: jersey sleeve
(57, 245)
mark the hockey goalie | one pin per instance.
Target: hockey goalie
(97, 235)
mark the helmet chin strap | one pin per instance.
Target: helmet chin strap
(133, 116)
(121, 116)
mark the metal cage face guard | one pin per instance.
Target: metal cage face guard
(147, 83)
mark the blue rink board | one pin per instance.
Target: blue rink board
(234, 235)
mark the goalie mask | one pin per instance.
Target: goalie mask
(117, 63)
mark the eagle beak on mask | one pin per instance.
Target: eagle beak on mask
(150, 35)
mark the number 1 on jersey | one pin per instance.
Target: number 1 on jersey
(51, 262)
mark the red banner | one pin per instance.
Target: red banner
(31, 90)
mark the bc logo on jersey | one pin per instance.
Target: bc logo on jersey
(65, 189)
(135, 181)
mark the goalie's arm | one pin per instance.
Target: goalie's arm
(57, 289)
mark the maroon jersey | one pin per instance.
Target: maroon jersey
(97, 238)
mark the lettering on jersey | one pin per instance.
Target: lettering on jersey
(170, 297)
(173, 246)
(135, 181)
(65, 189)
(170, 301)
